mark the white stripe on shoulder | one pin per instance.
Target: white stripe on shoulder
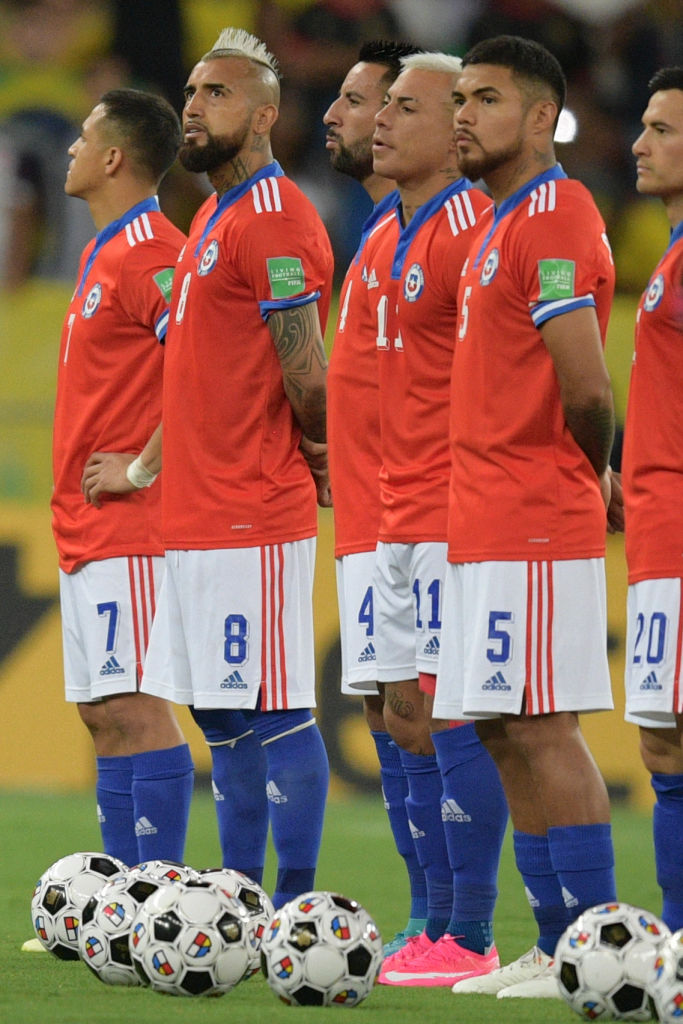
(543, 199)
(139, 229)
(461, 215)
(266, 195)
(386, 219)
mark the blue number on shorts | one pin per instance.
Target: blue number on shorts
(656, 639)
(366, 615)
(110, 608)
(236, 637)
(499, 655)
(434, 591)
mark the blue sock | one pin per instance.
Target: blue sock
(115, 808)
(395, 791)
(423, 806)
(162, 790)
(298, 775)
(668, 840)
(238, 775)
(542, 887)
(583, 858)
(474, 813)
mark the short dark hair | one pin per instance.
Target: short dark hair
(666, 78)
(388, 53)
(149, 127)
(525, 58)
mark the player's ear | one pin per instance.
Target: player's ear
(544, 115)
(113, 160)
(263, 118)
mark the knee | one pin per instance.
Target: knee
(405, 719)
(94, 718)
(660, 751)
(373, 709)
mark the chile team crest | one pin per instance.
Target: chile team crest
(92, 301)
(209, 259)
(488, 271)
(654, 294)
(414, 283)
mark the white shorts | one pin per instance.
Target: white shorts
(357, 622)
(407, 588)
(234, 628)
(526, 636)
(653, 653)
(107, 611)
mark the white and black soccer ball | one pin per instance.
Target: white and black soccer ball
(604, 960)
(256, 900)
(60, 895)
(106, 922)
(167, 870)
(191, 940)
(322, 949)
(666, 980)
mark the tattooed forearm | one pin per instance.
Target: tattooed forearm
(299, 345)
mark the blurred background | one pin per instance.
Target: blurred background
(57, 57)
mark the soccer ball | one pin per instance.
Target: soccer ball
(60, 894)
(106, 922)
(604, 959)
(666, 979)
(322, 949)
(258, 904)
(191, 940)
(167, 870)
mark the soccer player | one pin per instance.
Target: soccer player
(653, 489)
(109, 397)
(244, 456)
(532, 421)
(413, 260)
(354, 448)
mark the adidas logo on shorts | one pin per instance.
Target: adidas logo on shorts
(431, 648)
(111, 667)
(497, 682)
(234, 682)
(368, 654)
(651, 682)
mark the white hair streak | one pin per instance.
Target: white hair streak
(239, 41)
(444, 62)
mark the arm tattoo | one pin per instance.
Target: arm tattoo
(299, 345)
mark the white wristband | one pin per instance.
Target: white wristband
(138, 475)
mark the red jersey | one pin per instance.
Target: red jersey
(412, 287)
(353, 407)
(109, 383)
(521, 488)
(653, 456)
(233, 475)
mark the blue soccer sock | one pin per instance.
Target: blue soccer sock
(474, 813)
(297, 780)
(583, 858)
(668, 840)
(115, 808)
(542, 887)
(395, 792)
(162, 791)
(423, 806)
(238, 776)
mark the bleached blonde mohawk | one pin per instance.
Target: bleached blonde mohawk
(240, 42)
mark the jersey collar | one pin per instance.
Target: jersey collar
(512, 202)
(385, 204)
(271, 170)
(106, 234)
(420, 217)
(676, 234)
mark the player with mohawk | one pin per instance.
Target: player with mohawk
(244, 455)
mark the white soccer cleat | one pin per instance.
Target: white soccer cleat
(532, 966)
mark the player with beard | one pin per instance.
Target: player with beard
(354, 448)
(524, 626)
(244, 448)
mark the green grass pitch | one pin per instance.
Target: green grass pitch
(357, 859)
